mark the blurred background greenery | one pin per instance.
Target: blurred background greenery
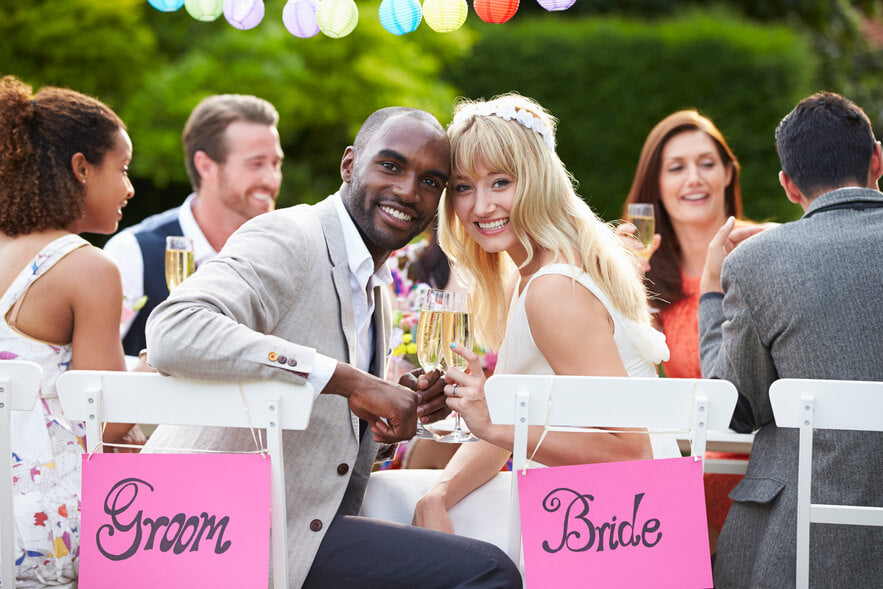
(608, 69)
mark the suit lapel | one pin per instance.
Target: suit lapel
(340, 271)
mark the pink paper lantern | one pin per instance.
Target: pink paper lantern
(495, 11)
(337, 18)
(299, 17)
(244, 14)
(553, 5)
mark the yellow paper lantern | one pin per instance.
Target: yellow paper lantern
(337, 18)
(444, 16)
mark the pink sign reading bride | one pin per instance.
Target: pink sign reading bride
(175, 520)
(619, 524)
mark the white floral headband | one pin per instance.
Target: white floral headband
(507, 112)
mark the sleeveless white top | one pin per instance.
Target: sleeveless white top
(46, 448)
(640, 346)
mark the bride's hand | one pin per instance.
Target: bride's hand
(465, 391)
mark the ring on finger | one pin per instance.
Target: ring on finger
(454, 389)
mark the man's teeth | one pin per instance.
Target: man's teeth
(397, 214)
(262, 196)
(493, 225)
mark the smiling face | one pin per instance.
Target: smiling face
(693, 179)
(483, 204)
(248, 181)
(394, 183)
(108, 189)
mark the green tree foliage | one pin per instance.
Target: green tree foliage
(610, 80)
(323, 89)
(100, 47)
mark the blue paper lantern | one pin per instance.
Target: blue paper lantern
(299, 17)
(400, 16)
(166, 5)
(244, 14)
(204, 10)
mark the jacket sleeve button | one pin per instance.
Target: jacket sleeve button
(343, 468)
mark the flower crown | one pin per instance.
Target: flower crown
(507, 112)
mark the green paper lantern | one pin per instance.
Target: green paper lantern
(337, 18)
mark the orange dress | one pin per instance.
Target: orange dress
(680, 323)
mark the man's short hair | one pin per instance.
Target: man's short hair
(825, 143)
(205, 128)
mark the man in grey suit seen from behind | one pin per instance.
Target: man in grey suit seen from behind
(301, 295)
(802, 300)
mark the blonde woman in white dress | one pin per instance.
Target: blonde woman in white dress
(553, 288)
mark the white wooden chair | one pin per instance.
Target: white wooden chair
(825, 404)
(657, 404)
(19, 387)
(148, 398)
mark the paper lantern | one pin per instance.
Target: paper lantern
(444, 16)
(204, 10)
(244, 14)
(337, 18)
(167, 5)
(400, 16)
(495, 11)
(553, 5)
(299, 17)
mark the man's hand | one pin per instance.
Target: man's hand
(390, 409)
(723, 242)
(430, 389)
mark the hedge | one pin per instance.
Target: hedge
(610, 80)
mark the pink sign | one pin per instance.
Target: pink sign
(618, 524)
(175, 520)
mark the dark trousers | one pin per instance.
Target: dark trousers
(364, 553)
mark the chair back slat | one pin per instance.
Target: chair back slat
(96, 396)
(808, 405)
(19, 388)
(657, 404)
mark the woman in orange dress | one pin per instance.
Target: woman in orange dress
(691, 176)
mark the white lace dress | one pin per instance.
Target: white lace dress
(46, 449)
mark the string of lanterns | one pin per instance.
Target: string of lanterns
(338, 18)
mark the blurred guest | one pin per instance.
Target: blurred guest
(512, 224)
(691, 176)
(234, 161)
(63, 170)
(301, 295)
(802, 300)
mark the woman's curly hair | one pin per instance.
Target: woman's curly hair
(39, 135)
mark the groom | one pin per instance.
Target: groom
(300, 295)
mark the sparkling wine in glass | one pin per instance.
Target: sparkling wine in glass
(180, 262)
(429, 339)
(641, 216)
(457, 328)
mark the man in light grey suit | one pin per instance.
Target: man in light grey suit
(802, 300)
(300, 294)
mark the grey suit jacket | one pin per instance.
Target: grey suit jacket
(802, 300)
(280, 285)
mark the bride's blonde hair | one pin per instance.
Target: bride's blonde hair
(546, 214)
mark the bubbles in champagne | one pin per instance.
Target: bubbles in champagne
(457, 329)
(429, 339)
(179, 265)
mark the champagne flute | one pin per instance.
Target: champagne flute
(457, 328)
(641, 216)
(180, 262)
(429, 340)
